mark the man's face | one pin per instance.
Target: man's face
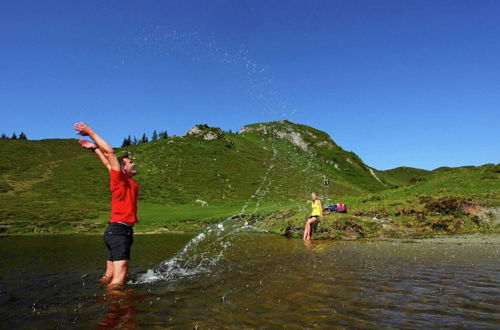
(129, 167)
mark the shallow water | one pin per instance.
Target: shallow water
(263, 281)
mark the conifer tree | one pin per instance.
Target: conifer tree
(163, 135)
(126, 141)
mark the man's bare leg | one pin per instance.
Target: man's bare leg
(120, 269)
(108, 275)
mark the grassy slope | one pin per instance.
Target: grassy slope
(55, 186)
(404, 175)
(433, 205)
(48, 184)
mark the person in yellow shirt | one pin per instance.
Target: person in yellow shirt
(316, 214)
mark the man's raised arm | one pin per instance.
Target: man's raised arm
(104, 152)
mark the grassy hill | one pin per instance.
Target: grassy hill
(56, 186)
(443, 201)
(404, 175)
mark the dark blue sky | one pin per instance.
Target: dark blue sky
(413, 83)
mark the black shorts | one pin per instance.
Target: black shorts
(118, 238)
(315, 216)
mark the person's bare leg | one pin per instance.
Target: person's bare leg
(108, 275)
(307, 228)
(120, 269)
(313, 221)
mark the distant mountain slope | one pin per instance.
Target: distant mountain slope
(481, 183)
(404, 175)
(56, 180)
(210, 165)
(60, 184)
(336, 163)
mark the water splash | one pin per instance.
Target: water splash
(199, 255)
(207, 249)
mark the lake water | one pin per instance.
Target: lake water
(263, 281)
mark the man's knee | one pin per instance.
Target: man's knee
(120, 265)
(120, 268)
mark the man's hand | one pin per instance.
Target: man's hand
(103, 151)
(82, 129)
(87, 144)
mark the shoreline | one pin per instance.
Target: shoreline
(355, 226)
(435, 238)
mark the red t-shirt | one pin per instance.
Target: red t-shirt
(124, 193)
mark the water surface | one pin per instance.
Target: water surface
(263, 281)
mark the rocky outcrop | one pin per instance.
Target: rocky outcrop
(372, 172)
(282, 131)
(489, 215)
(295, 138)
(205, 132)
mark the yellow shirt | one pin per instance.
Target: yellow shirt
(316, 208)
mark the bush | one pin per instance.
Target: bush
(444, 205)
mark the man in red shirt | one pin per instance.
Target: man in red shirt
(118, 236)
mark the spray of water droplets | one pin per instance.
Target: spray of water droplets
(207, 249)
(164, 41)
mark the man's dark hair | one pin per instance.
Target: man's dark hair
(121, 160)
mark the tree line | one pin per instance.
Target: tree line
(14, 136)
(129, 141)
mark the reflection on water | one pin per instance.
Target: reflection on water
(263, 281)
(120, 309)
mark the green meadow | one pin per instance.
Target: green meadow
(54, 186)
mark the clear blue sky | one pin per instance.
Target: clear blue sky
(413, 83)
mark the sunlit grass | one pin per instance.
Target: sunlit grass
(55, 186)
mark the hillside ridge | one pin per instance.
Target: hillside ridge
(64, 186)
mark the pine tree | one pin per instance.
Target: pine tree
(163, 135)
(134, 141)
(155, 136)
(22, 136)
(3, 136)
(126, 141)
(14, 136)
(144, 138)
